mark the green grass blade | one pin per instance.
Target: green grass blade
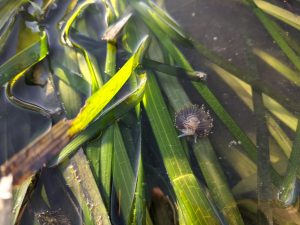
(132, 35)
(99, 99)
(139, 211)
(279, 135)
(100, 154)
(273, 30)
(216, 181)
(71, 18)
(68, 95)
(279, 13)
(202, 89)
(162, 20)
(118, 6)
(24, 59)
(280, 67)
(80, 180)
(205, 155)
(191, 199)
(241, 87)
(95, 78)
(73, 80)
(148, 15)
(6, 32)
(8, 9)
(287, 190)
(102, 149)
(243, 75)
(19, 199)
(174, 70)
(244, 92)
(107, 117)
(264, 194)
(124, 176)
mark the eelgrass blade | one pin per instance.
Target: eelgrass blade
(4, 35)
(276, 64)
(246, 185)
(153, 14)
(80, 180)
(264, 192)
(273, 106)
(205, 156)
(139, 208)
(163, 21)
(24, 59)
(19, 199)
(201, 88)
(288, 189)
(244, 92)
(216, 181)
(95, 78)
(292, 42)
(124, 176)
(118, 7)
(9, 8)
(67, 93)
(174, 70)
(71, 18)
(243, 75)
(107, 117)
(279, 135)
(46, 147)
(102, 149)
(72, 79)
(191, 199)
(111, 58)
(273, 30)
(205, 92)
(279, 13)
(100, 153)
(107, 92)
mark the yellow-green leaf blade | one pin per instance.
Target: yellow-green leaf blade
(99, 99)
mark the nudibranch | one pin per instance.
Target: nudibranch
(194, 121)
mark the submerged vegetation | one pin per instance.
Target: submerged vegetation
(94, 98)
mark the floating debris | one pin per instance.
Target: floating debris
(194, 121)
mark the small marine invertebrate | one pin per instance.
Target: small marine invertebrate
(193, 121)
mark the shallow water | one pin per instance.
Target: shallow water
(229, 29)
